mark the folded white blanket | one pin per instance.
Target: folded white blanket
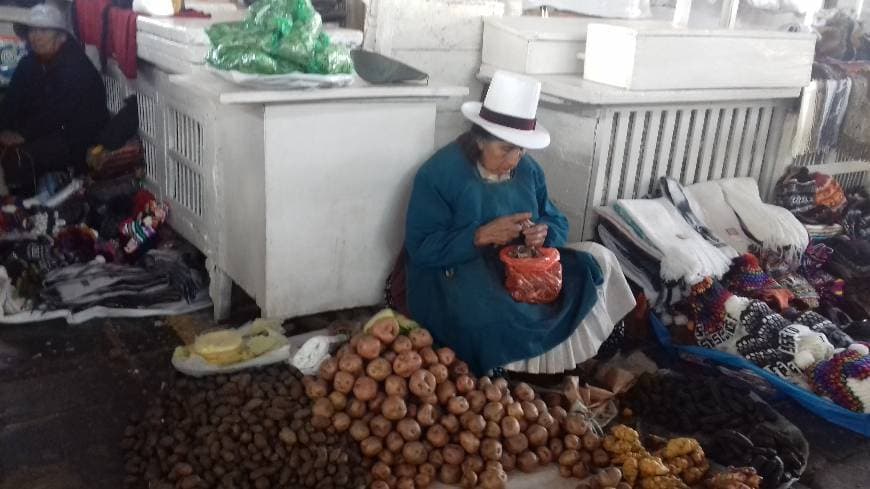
(775, 227)
(686, 254)
(708, 203)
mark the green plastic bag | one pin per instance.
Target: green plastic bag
(330, 59)
(277, 37)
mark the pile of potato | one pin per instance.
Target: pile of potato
(419, 415)
(246, 431)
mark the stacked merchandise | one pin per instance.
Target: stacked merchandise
(839, 225)
(82, 247)
(728, 272)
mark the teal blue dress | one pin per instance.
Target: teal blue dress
(456, 290)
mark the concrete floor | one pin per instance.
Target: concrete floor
(66, 393)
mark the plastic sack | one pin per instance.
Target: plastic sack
(533, 276)
(278, 37)
(256, 344)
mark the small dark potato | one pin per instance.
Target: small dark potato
(394, 408)
(464, 384)
(493, 411)
(580, 471)
(365, 388)
(591, 442)
(527, 461)
(572, 442)
(356, 409)
(556, 447)
(508, 461)
(380, 426)
(394, 442)
(493, 393)
(492, 430)
(422, 383)
(510, 426)
(328, 369)
(396, 386)
(440, 372)
(315, 388)
(445, 391)
(428, 469)
(524, 392)
(379, 369)
(459, 369)
(449, 474)
(402, 344)
(420, 338)
(474, 423)
(321, 422)
(405, 483)
(545, 456)
(409, 429)
(600, 458)
(359, 430)
(491, 449)
(341, 422)
(450, 422)
(446, 356)
(517, 444)
(476, 400)
(546, 420)
(338, 400)
(537, 435)
(405, 470)
(414, 453)
(437, 435)
(429, 356)
(530, 411)
(436, 458)
(457, 405)
(469, 480)
(376, 403)
(323, 407)
(453, 454)
(381, 471)
(473, 463)
(371, 446)
(380, 485)
(427, 415)
(387, 457)
(469, 442)
(351, 363)
(343, 382)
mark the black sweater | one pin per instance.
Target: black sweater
(65, 97)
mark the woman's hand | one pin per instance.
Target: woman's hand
(536, 235)
(501, 231)
(10, 138)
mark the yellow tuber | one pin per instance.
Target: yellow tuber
(630, 470)
(679, 447)
(651, 467)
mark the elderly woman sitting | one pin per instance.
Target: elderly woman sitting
(477, 195)
(55, 105)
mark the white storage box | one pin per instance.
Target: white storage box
(657, 56)
(534, 45)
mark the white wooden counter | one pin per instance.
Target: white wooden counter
(297, 196)
(610, 143)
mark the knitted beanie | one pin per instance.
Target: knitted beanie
(845, 378)
(747, 278)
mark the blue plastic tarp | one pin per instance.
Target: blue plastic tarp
(857, 422)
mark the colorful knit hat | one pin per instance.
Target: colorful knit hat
(845, 378)
(708, 305)
(747, 278)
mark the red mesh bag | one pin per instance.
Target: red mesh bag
(533, 276)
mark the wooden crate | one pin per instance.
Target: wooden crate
(655, 56)
(535, 45)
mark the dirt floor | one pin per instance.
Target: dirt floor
(66, 393)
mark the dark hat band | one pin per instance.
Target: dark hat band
(508, 120)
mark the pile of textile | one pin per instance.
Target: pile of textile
(839, 225)
(726, 271)
(95, 245)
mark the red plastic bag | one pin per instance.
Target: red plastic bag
(532, 276)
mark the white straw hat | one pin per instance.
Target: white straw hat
(509, 110)
(42, 16)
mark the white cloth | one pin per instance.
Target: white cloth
(775, 227)
(686, 254)
(611, 216)
(708, 203)
(615, 301)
